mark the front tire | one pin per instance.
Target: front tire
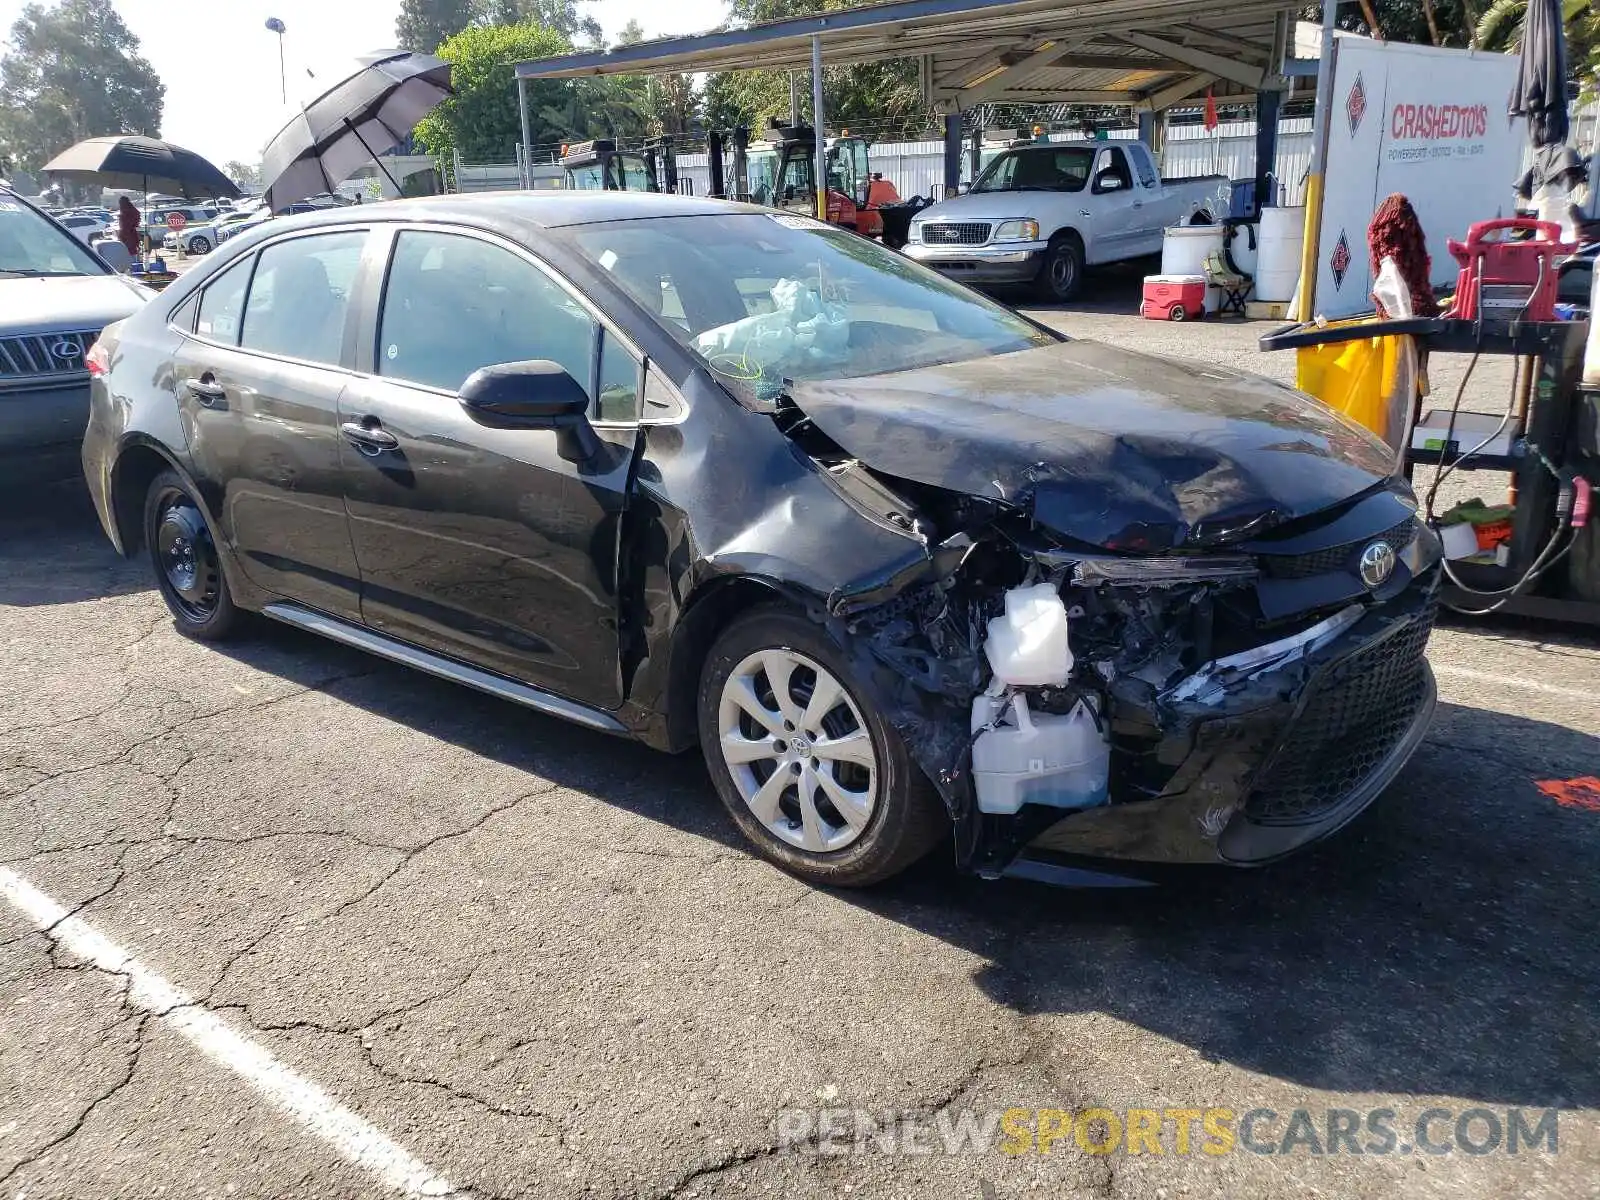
(808, 769)
(199, 245)
(1061, 273)
(187, 564)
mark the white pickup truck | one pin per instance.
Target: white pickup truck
(1039, 214)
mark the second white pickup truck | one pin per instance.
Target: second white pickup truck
(1040, 214)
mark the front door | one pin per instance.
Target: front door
(1119, 224)
(258, 380)
(476, 542)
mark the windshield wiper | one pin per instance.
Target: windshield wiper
(31, 273)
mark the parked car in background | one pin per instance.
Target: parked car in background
(203, 239)
(1039, 214)
(83, 226)
(55, 298)
(706, 474)
(154, 225)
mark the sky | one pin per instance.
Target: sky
(220, 63)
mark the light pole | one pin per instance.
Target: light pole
(277, 27)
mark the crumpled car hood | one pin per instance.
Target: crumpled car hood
(1121, 450)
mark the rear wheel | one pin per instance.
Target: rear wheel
(1061, 273)
(187, 565)
(1177, 313)
(810, 772)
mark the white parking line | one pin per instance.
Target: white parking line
(286, 1090)
(1531, 685)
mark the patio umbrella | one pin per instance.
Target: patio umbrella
(1541, 96)
(1541, 90)
(132, 162)
(360, 117)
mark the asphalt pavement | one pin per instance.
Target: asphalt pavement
(315, 925)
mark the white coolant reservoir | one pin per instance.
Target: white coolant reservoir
(1027, 646)
(1036, 758)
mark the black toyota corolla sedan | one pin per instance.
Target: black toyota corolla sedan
(898, 560)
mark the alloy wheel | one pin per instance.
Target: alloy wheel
(798, 751)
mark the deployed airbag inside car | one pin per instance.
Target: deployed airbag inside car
(802, 331)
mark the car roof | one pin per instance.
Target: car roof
(547, 210)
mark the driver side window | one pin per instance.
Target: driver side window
(1116, 163)
(453, 303)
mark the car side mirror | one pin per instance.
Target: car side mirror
(1108, 181)
(534, 394)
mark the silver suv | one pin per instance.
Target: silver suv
(55, 298)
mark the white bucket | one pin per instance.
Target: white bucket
(1183, 252)
(1283, 231)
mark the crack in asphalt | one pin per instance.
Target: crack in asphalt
(139, 1017)
(142, 1016)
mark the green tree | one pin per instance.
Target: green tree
(1500, 28)
(884, 97)
(244, 174)
(45, 105)
(481, 120)
(663, 104)
(561, 15)
(424, 25)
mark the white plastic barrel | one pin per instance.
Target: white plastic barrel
(1283, 231)
(1183, 252)
(1245, 248)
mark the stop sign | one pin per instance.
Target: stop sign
(176, 221)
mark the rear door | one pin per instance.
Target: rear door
(1155, 207)
(257, 379)
(477, 542)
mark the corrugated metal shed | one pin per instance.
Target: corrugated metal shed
(1146, 53)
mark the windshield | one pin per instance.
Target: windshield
(31, 245)
(1038, 169)
(770, 299)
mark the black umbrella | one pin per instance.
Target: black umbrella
(132, 162)
(352, 123)
(1541, 91)
(1541, 96)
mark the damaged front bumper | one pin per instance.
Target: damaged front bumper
(1277, 763)
(1244, 758)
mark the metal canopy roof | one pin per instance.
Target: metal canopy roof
(1147, 53)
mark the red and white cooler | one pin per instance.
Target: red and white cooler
(1173, 297)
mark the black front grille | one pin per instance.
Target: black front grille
(1360, 710)
(1336, 558)
(45, 354)
(956, 233)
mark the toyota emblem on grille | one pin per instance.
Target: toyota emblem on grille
(67, 350)
(1377, 564)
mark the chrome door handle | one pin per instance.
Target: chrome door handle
(206, 390)
(369, 439)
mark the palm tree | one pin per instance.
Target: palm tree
(1500, 27)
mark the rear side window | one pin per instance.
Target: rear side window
(299, 296)
(183, 316)
(222, 304)
(1143, 165)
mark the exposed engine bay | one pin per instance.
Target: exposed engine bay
(1224, 700)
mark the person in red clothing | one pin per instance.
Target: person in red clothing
(128, 226)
